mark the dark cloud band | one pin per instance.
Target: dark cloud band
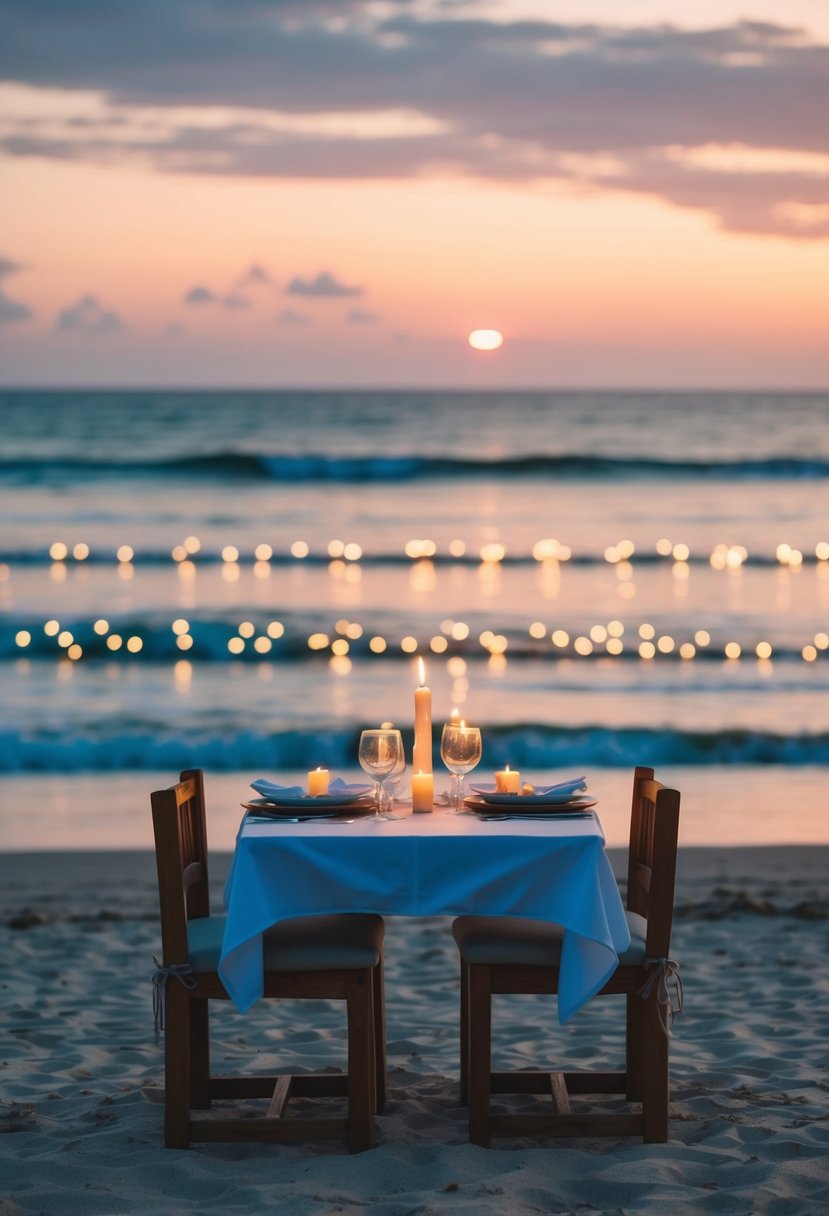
(512, 101)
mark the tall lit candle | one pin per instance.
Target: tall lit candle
(422, 753)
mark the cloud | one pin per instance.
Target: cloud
(173, 330)
(7, 267)
(254, 276)
(11, 310)
(235, 299)
(289, 316)
(324, 286)
(200, 295)
(359, 316)
(88, 316)
(250, 90)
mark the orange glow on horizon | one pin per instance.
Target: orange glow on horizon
(674, 300)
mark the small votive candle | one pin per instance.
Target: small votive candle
(423, 792)
(318, 779)
(508, 781)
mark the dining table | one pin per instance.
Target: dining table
(543, 868)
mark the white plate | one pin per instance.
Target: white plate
(532, 802)
(311, 808)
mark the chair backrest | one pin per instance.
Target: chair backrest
(654, 830)
(181, 858)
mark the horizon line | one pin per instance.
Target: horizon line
(415, 388)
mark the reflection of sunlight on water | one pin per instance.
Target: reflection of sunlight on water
(182, 676)
(460, 690)
(489, 579)
(549, 578)
(422, 577)
(106, 810)
(783, 594)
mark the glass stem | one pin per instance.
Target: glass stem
(458, 784)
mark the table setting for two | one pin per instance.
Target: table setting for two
(382, 757)
(344, 802)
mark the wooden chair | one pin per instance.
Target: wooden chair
(320, 958)
(508, 955)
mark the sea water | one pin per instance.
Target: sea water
(242, 581)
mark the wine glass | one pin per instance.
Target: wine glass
(394, 782)
(460, 751)
(381, 755)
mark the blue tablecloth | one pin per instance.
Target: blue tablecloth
(425, 865)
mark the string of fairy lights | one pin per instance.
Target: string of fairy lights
(599, 641)
(721, 557)
(454, 639)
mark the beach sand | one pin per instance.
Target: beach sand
(80, 1073)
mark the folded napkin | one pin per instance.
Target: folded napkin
(561, 787)
(269, 789)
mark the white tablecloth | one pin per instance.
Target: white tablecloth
(425, 865)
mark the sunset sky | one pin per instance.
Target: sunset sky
(327, 193)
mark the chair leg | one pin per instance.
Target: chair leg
(464, 1034)
(177, 1067)
(633, 1049)
(199, 1054)
(361, 1080)
(381, 1066)
(654, 1075)
(480, 1053)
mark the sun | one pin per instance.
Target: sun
(485, 339)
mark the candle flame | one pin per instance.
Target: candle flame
(456, 713)
(506, 768)
(421, 671)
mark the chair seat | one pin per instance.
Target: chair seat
(512, 941)
(306, 943)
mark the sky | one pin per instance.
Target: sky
(331, 193)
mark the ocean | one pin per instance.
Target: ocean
(242, 581)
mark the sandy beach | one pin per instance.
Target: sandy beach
(81, 1073)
